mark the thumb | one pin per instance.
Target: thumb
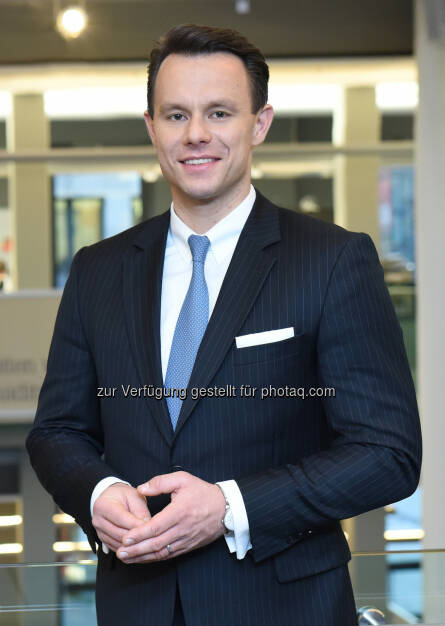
(164, 483)
(137, 505)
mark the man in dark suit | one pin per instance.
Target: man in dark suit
(226, 381)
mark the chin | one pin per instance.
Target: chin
(202, 193)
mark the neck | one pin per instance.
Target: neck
(201, 216)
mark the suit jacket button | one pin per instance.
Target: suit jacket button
(176, 468)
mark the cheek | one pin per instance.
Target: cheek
(167, 144)
(240, 145)
(233, 140)
(166, 155)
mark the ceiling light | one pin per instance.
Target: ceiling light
(256, 172)
(406, 534)
(63, 518)
(71, 22)
(11, 548)
(75, 574)
(71, 546)
(152, 175)
(242, 7)
(10, 520)
(309, 204)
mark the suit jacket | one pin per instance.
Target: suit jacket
(301, 464)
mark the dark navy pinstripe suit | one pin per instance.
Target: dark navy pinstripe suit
(301, 465)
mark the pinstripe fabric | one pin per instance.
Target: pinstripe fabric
(301, 465)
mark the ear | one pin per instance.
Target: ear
(262, 124)
(150, 127)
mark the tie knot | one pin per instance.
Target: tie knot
(199, 246)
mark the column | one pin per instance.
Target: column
(430, 253)
(30, 195)
(357, 122)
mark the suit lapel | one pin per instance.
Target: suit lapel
(142, 282)
(248, 269)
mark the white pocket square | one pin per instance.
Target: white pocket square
(268, 336)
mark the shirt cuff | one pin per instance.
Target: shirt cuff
(239, 540)
(97, 491)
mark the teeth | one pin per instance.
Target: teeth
(198, 161)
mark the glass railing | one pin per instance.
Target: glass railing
(407, 586)
(400, 587)
(48, 594)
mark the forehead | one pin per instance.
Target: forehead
(205, 75)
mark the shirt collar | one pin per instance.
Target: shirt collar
(223, 235)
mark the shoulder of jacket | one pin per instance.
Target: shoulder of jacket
(115, 246)
(310, 231)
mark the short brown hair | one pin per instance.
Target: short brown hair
(192, 39)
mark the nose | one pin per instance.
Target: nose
(196, 131)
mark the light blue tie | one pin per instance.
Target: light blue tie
(190, 328)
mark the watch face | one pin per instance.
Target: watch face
(228, 520)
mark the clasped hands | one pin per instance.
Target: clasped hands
(192, 519)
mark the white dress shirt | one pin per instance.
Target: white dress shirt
(177, 273)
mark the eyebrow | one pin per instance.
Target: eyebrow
(223, 104)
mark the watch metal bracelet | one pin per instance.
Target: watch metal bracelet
(226, 530)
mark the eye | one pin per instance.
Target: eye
(220, 115)
(176, 117)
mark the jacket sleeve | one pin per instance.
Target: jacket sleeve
(65, 443)
(375, 455)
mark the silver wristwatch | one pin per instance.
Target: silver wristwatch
(227, 521)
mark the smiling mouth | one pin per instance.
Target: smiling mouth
(199, 161)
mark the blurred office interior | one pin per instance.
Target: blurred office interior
(358, 139)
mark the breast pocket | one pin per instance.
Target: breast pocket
(278, 363)
(269, 351)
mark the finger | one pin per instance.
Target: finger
(163, 554)
(137, 505)
(104, 526)
(111, 543)
(159, 524)
(115, 512)
(164, 483)
(151, 546)
(154, 557)
(109, 540)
